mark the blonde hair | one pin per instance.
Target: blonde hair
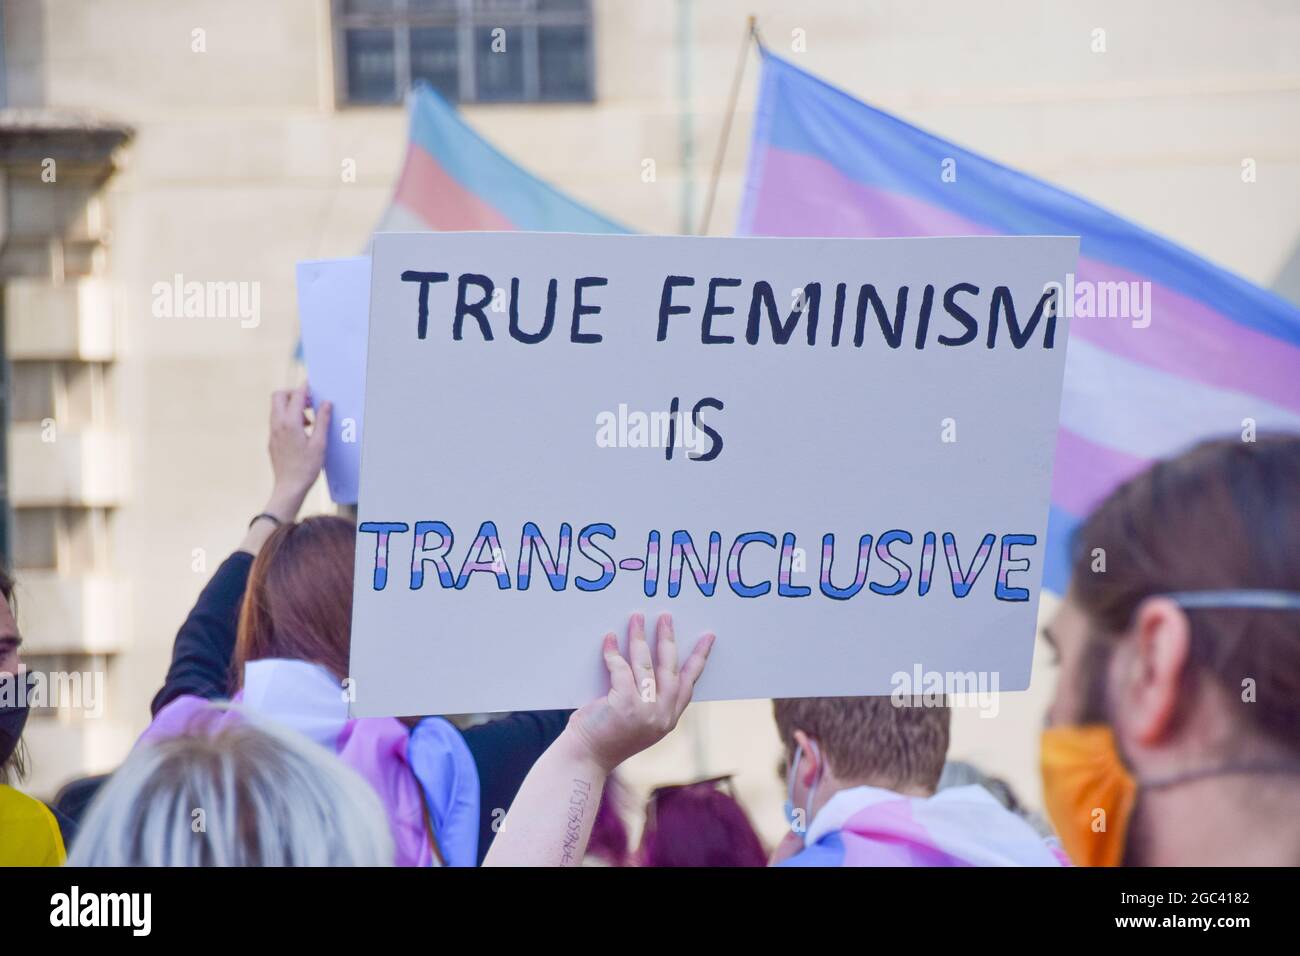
(245, 794)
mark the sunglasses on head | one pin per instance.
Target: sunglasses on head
(723, 782)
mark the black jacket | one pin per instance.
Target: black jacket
(503, 749)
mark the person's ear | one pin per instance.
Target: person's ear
(1152, 670)
(810, 761)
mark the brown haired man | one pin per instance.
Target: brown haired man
(863, 773)
(1174, 736)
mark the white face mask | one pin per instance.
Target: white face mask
(797, 825)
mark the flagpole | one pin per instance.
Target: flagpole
(751, 36)
(686, 117)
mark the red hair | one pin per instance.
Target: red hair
(298, 603)
(698, 824)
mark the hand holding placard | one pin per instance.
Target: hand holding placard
(646, 694)
(550, 819)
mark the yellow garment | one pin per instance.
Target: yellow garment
(29, 834)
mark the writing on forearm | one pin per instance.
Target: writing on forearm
(578, 801)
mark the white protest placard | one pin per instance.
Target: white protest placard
(333, 309)
(835, 454)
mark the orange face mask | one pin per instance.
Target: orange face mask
(1088, 792)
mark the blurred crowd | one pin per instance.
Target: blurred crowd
(1173, 737)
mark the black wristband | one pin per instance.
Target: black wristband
(268, 516)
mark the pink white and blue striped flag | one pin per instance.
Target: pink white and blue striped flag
(453, 179)
(1210, 351)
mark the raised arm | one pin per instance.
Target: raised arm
(297, 450)
(504, 750)
(550, 820)
(205, 643)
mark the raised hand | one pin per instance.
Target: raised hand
(646, 698)
(550, 821)
(297, 454)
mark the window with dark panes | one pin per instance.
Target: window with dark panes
(470, 51)
(371, 60)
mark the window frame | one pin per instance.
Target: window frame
(465, 19)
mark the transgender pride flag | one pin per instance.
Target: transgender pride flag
(454, 180)
(1217, 350)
